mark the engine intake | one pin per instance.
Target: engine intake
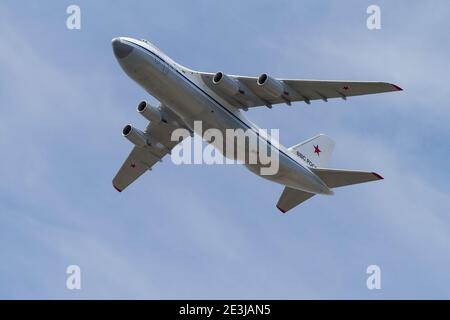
(135, 136)
(149, 112)
(226, 84)
(271, 86)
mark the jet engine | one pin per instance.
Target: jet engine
(271, 86)
(135, 136)
(226, 84)
(149, 112)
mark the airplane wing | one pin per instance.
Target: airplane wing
(252, 94)
(142, 159)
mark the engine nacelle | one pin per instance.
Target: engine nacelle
(149, 112)
(271, 86)
(226, 84)
(135, 136)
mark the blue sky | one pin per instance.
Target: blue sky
(213, 231)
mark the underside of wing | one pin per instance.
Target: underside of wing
(139, 161)
(150, 147)
(247, 92)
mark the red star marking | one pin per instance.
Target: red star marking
(133, 165)
(317, 150)
(346, 88)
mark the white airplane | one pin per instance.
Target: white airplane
(218, 100)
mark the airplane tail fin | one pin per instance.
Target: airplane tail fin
(316, 151)
(333, 178)
(290, 198)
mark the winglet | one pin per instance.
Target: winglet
(282, 211)
(396, 87)
(378, 176)
(117, 188)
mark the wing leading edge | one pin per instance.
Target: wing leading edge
(253, 92)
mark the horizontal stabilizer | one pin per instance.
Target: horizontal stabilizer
(335, 178)
(291, 198)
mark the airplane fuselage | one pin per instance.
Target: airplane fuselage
(183, 91)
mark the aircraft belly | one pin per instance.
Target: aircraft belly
(183, 99)
(192, 105)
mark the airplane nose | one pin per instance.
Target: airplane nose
(121, 49)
